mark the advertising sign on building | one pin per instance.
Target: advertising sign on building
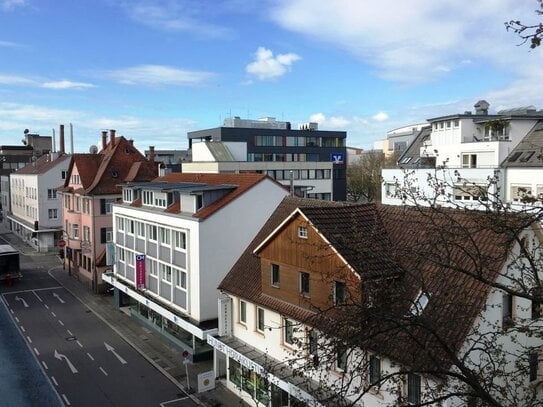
(337, 158)
(140, 271)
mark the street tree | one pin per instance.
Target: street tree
(528, 33)
(364, 176)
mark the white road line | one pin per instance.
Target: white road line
(103, 371)
(53, 314)
(60, 322)
(44, 365)
(17, 319)
(46, 306)
(35, 289)
(29, 340)
(36, 350)
(23, 328)
(79, 343)
(37, 296)
(66, 400)
(90, 356)
(10, 310)
(164, 403)
(54, 380)
(69, 332)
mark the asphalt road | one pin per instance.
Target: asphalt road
(87, 363)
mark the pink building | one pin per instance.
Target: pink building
(92, 185)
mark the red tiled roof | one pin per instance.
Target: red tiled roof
(102, 173)
(422, 248)
(42, 165)
(243, 182)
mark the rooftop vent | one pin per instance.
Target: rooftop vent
(481, 107)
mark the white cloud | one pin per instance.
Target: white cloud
(8, 5)
(17, 80)
(158, 75)
(333, 122)
(65, 84)
(380, 117)
(9, 44)
(266, 66)
(416, 41)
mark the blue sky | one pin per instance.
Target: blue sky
(155, 69)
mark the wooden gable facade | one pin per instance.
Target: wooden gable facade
(299, 266)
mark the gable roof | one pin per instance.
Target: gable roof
(420, 248)
(42, 165)
(119, 162)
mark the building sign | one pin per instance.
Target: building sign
(233, 354)
(206, 381)
(140, 271)
(337, 158)
(225, 316)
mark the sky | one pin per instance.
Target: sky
(157, 69)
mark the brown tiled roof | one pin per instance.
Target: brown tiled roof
(243, 182)
(42, 165)
(424, 249)
(102, 173)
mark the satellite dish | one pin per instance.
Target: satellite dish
(26, 131)
(93, 149)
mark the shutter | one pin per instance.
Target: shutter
(102, 206)
(103, 237)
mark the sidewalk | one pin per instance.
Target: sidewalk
(165, 358)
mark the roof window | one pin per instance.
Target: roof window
(420, 303)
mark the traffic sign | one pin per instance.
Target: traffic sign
(61, 243)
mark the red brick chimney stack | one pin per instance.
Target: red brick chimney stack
(104, 139)
(152, 154)
(112, 137)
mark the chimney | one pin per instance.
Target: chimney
(481, 107)
(104, 139)
(61, 140)
(152, 154)
(131, 142)
(71, 138)
(112, 138)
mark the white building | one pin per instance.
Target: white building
(271, 328)
(36, 210)
(464, 151)
(189, 229)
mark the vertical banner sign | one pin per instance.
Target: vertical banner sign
(140, 271)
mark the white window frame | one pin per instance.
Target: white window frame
(179, 237)
(243, 312)
(164, 274)
(302, 232)
(180, 278)
(260, 319)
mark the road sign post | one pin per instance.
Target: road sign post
(186, 362)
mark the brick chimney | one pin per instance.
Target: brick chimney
(104, 139)
(152, 154)
(61, 140)
(112, 138)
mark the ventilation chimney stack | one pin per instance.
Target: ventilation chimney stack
(112, 138)
(152, 154)
(481, 107)
(62, 151)
(104, 139)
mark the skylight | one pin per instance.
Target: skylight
(420, 303)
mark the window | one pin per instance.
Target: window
(140, 229)
(341, 358)
(470, 193)
(302, 232)
(507, 311)
(147, 197)
(275, 275)
(288, 331)
(153, 234)
(304, 283)
(390, 190)
(521, 193)
(130, 226)
(181, 279)
(420, 303)
(260, 325)
(339, 293)
(86, 233)
(164, 235)
(77, 203)
(106, 235)
(152, 267)
(166, 273)
(63, 174)
(86, 205)
(533, 364)
(413, 388)
(313, 341)
(128, 195)
(536, 309)
(53, 213)
(67, 202)
(180, 240)
(242, 312)
(120, 224)
(51, 194)
(106, 206)
(469, 160)
(75, 231)
(129, 258)
(121, 255)
(375, 370)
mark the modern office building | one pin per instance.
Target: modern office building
(313, 161)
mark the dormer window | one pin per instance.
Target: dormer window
(160, 200)
(147, 197)
(128, 195)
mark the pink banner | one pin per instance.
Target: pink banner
(140, 271)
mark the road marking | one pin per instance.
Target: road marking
(54, 380)
(10, 310)
(79, 343)
(60, 322)
(44, 365)
(23, 328)
(172, 401)
(58, 298)
(53, 314)
(90, 356)
(36, 350)
(37, 296)
(17, 319)
(69, 332)
(46, 306)
(66, 400)
(17, 298)
(35, 289)
(111, 349)
(103, 371)
(60, 356)
(29, 340)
